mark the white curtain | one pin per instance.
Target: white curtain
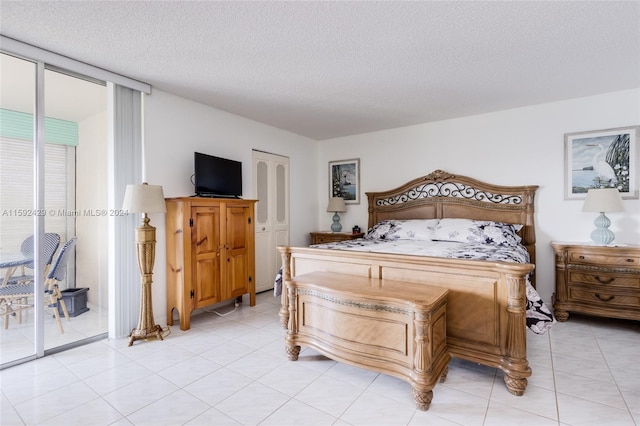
(125, 167)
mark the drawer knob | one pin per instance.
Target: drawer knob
(604, 299)
(601, 281)
(630, 260)
(581, 257)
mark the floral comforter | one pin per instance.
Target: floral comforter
(539, 317)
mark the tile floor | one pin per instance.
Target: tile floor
(233, 370)
(16, 341)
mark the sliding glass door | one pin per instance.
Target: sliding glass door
(54, 191)
(17, 207)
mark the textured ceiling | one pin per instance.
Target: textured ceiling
(329, 69)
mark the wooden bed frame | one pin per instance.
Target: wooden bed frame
(486, 308)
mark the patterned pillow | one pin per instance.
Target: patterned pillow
(379, 230)
(478, 231)
(415, 229)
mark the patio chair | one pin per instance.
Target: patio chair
(13, 298)
(51, 244)
(58, 273)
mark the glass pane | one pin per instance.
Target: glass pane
(17, 95)
(263, 192)
(75, 187)
(281, 214)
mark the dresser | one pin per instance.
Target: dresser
(210, 253)
(333, 237)
(597, 280)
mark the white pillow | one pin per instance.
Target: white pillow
(478, 231)
(413, 229)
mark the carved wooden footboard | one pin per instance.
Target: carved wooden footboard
(486, 308)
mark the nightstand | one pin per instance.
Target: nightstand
(333, 237)
(597, 280)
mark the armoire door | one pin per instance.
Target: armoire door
(237, 248)
(271, 186)
(205, 243)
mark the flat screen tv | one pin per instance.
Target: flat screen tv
(217, 177)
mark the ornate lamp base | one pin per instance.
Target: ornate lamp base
(602, 235)
(137, 334)
(146, 250)
(336, 226)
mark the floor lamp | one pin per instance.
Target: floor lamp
(145, 199)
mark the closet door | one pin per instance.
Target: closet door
(271, 186)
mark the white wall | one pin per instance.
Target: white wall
(176, 127)
(523, 146)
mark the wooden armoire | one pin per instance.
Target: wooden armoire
(210, 253)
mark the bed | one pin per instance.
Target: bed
(491, 301)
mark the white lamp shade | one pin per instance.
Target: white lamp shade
(603, 200)
(144, 198)
(336, 204)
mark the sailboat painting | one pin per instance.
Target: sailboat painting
(601, 159)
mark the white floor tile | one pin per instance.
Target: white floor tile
(373, 409)
(535, 400)
(133, 397)
(52, 404)
(227, 353)
(392, 387)
(469, 380)
(459, 407)
(263, 401)
(174, 409)
(606, 393)
(503, 415)
(8, 414)
(577, 411)
(116, 378)
(296, 413)
(213, 417)
(289, 378)
(182, 373)
(217, 386)
(256, 364)
(359, 377)
(96, 412)
(329, 395)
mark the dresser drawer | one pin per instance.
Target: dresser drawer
(326, 239)
(605, 279)
(603, 297)
(603, 259)
(333, 237)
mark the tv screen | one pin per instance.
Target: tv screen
(217, 177)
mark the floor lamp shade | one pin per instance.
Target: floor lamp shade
(145, 199)
(336, 204)
(603, 200)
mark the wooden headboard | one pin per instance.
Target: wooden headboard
(440, 194)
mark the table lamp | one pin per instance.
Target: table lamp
(602, 200)
(336, 204)
(145, 199)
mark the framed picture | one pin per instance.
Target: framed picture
(601, 159)
(344, 180)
